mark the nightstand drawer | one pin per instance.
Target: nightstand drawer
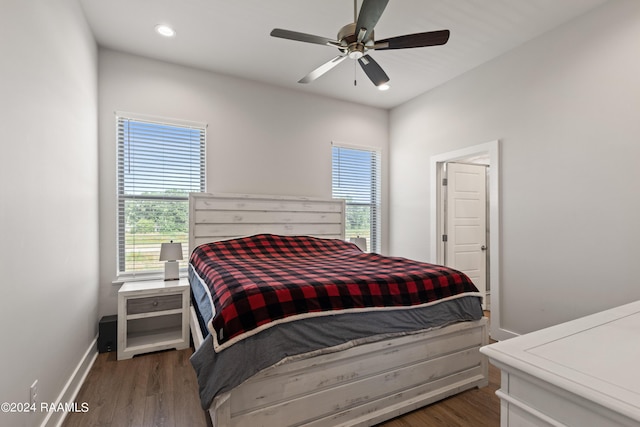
(154, 303)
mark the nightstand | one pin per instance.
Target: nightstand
(153, 315)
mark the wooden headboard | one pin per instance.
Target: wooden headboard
(214, 217)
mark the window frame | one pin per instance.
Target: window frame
(375, 227)
(122, 273)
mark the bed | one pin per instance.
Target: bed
(311, 367)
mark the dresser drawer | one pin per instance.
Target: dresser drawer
(154, 303)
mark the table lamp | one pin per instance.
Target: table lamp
(171, 253)
(360, 242)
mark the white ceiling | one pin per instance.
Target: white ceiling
(232, 37)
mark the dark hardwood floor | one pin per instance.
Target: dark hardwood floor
(160, 389)
(156, 389)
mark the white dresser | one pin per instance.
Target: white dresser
(581, 373)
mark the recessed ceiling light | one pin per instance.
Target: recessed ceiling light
(165, 30)
(384, 87)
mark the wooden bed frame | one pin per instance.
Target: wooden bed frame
(358, 386)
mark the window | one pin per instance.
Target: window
(356, 178)
(159, 163)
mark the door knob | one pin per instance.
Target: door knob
(483, 248)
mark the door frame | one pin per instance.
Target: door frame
(491, 150)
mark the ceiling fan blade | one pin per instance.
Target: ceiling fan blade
(431, 38)
(302, 37)
(322, 69)
(374, 71)
(370, 13)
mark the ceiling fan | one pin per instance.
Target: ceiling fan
(355, 39)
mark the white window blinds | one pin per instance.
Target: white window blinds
(356, 178)
(159, 163)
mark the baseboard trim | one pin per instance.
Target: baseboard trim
(72, 387)
(501, 334)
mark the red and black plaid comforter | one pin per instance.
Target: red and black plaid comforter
(262, 280)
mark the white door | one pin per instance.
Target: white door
(465, 224)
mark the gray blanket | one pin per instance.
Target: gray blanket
(220, 372)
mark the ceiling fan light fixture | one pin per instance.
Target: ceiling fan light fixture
(384, 86)
(165, 30)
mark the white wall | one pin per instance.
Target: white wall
(49, 198)
(566, 109)
(260, 139)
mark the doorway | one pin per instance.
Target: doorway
(489, 152)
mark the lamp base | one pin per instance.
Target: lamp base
(171, 270)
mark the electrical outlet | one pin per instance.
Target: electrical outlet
(34, 393)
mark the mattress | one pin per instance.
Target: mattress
(300, 336)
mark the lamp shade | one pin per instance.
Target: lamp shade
(360, 242)
(170, 251)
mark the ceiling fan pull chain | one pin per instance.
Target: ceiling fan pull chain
(355, 70)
